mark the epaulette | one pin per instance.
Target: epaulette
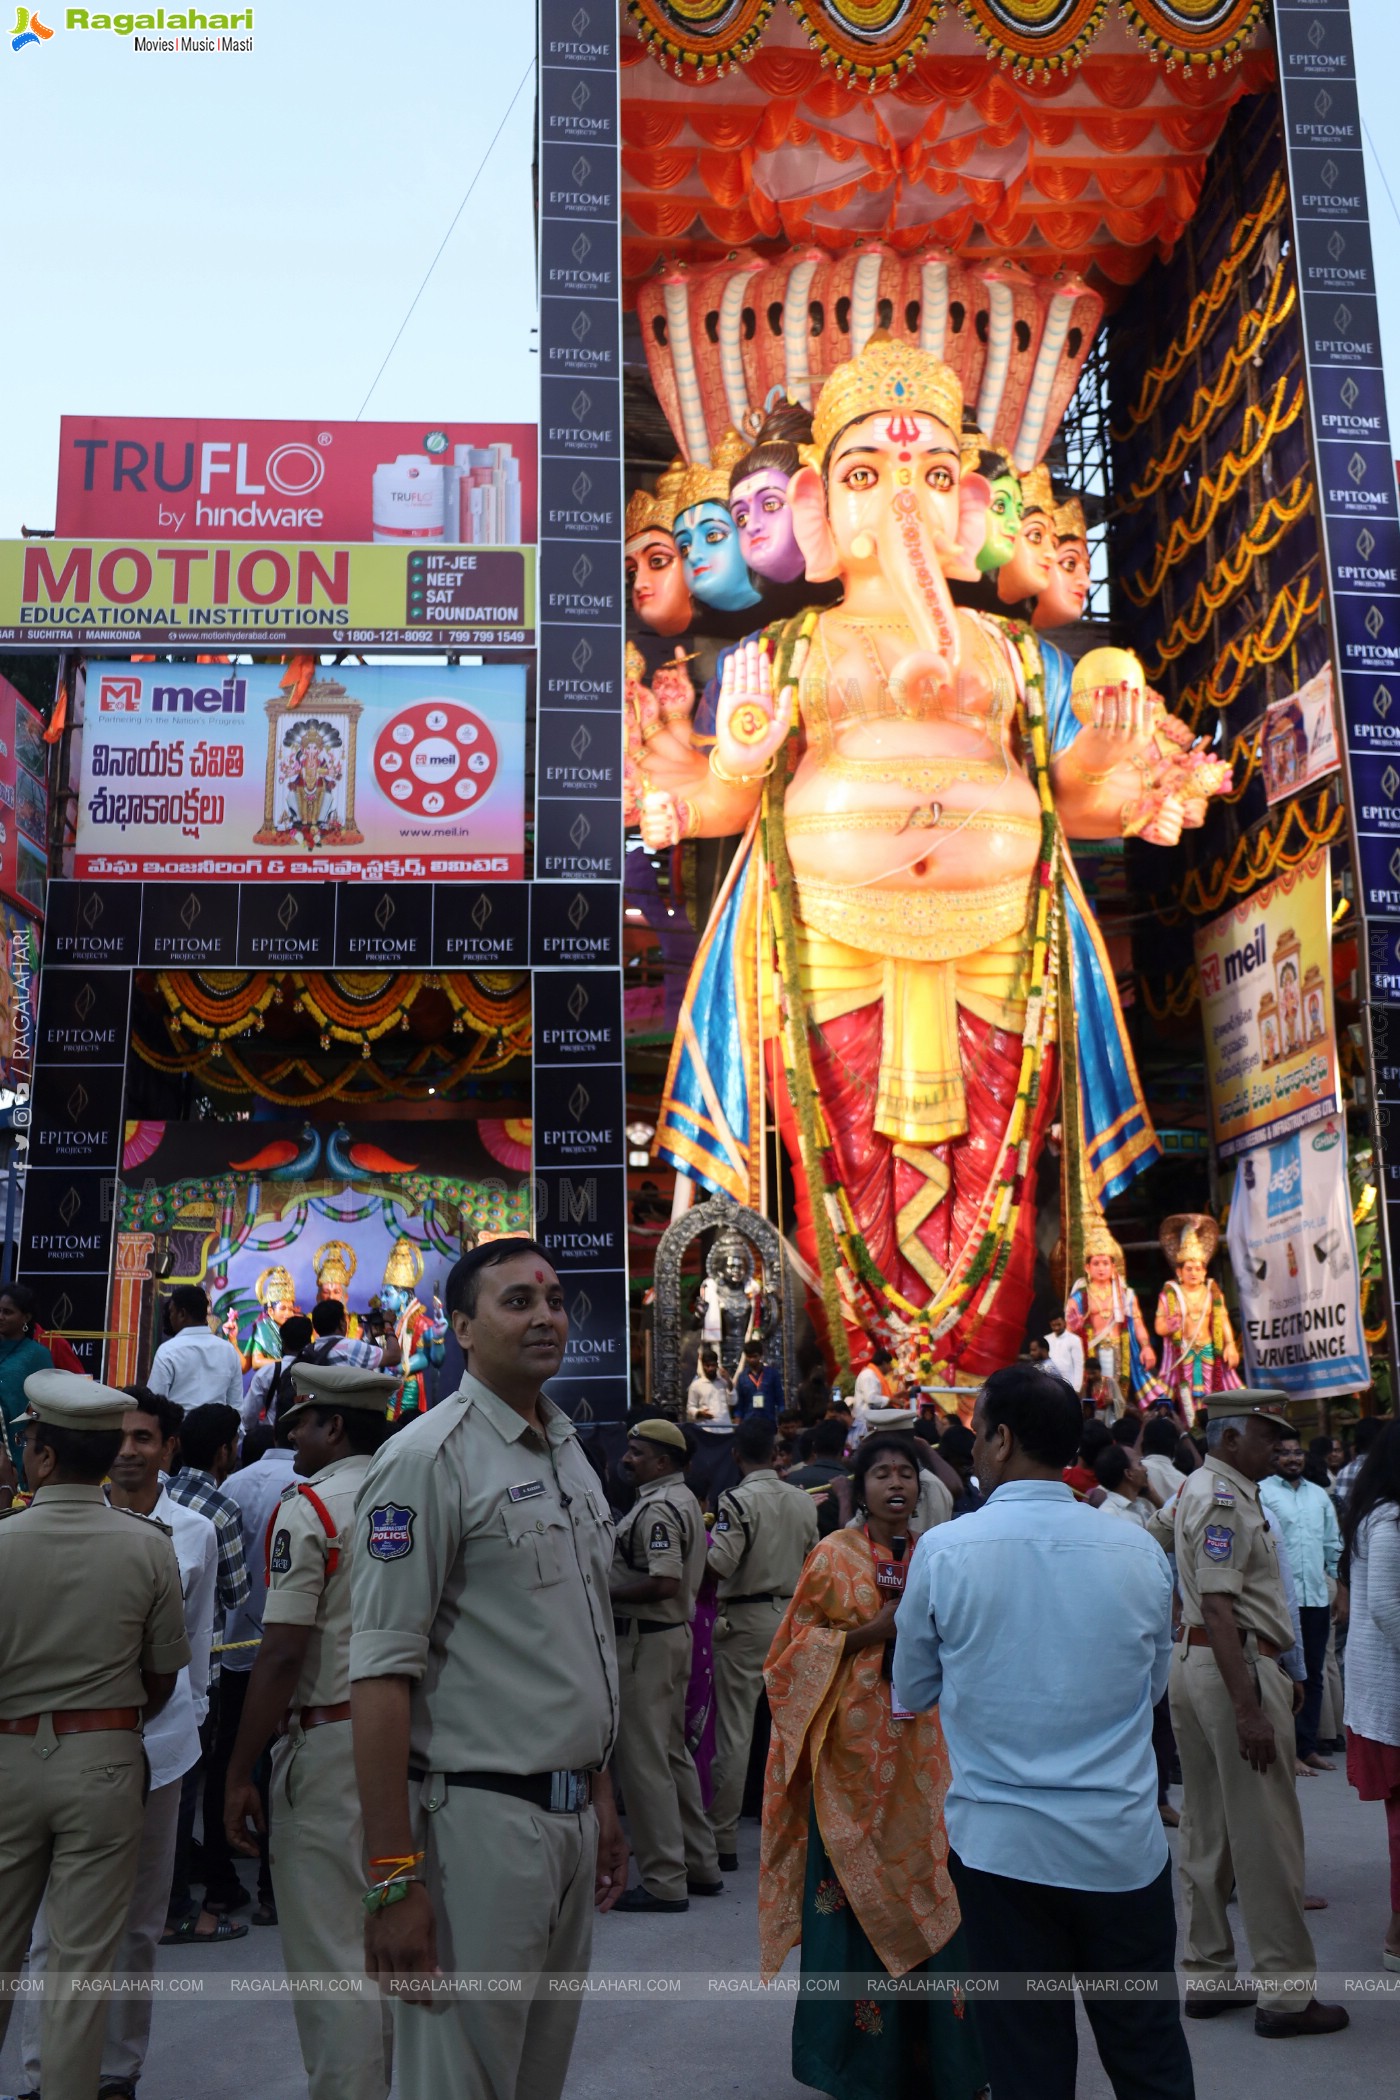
(155, 1523)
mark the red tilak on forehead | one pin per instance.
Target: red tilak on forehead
(540, 1276)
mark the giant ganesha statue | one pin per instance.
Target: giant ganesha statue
(902, 937)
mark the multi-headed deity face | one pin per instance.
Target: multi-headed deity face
(707, 540)
(1032, 558)
(759, 507)
(878, 464)
(1061, 603)
(1100, 1268)
(656, 582)
(1003, 524)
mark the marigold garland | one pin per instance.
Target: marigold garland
(1206, 305)
(870, 45)
(224, 1071)
(1036, 38)
(1271, 637)
(1194, 32)
(1272, 524)
(1260, 854)
(1209, 402)
(1262, 424)
(674, 32)
(1179, 999)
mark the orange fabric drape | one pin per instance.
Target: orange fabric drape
(652, 124)
(878, 1784)
(662, 169)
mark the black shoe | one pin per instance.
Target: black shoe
(703, 1888)
(1315, 2018)
(729, 1862)
(642, 1899)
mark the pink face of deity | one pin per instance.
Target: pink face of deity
(879, 459)
(1100, 1268)
(1028, 571)
(1061, 603)
(1192, 1273)
(759, 507)
(656, 583)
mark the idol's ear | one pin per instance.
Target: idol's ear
(974, 500)
(811, 528)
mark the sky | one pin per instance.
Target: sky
(243, 236)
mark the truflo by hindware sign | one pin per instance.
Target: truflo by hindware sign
(119, 595)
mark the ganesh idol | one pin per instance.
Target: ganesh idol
(1201, 1356)
(902, 951)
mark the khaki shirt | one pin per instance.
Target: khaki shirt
(763, 1532)
(481, 1573)
(299, 1590)
(662, 1534)
(1224, 1548)
(92, 1596)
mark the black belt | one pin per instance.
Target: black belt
(560, 1793)
(644, 1625)
(754, 1597)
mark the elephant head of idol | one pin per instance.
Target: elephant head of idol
(707, 537)
(1061, 603)
(885, 504)
(656, 585)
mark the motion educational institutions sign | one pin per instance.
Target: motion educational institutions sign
(189, 594)
(1266, 1001)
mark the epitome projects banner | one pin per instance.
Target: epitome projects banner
(1294, 1255)
(213, 771)
(1266, 1002)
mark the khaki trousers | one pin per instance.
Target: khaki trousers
(661, 1787)
(317, 1856)
(742, 1637)
(1242, 1829)
(128, 2024)
(512, 1887)
(70, 1835)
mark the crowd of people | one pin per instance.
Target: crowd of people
(441, 1682)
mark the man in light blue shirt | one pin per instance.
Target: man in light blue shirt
(1043, 1634)
(1305, 1519)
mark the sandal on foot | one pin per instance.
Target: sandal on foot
(184, 1934)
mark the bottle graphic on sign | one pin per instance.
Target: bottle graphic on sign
(409, 499)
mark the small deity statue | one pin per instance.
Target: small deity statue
(729, 1296)
(1061, 602)
(1201, 1356)
(422, 1335)
(1102, 1309)
(658, 751)
(707, 537)
(276, 1294)
(335, 1264)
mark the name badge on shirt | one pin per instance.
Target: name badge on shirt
(526, 1491)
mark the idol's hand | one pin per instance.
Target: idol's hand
(1170, 728)
(1164, 827)
(1149, 1357)
(1232, 1356)
(1126, 711)
(748, 732)
(661, 821)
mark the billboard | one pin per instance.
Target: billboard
(212, 770)
(1266, 1003)
(93, 594)
(1300, 738)
(24, 800)
(1294, 1253)
(234, 478)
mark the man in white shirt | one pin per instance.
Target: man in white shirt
(1066, 1354)
(194, 1366)
(873, 1388)
(171, 1739)
(1125, 1486)
(708, 1397)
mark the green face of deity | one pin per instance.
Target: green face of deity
(1003, 524)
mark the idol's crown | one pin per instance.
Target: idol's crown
(887, 376)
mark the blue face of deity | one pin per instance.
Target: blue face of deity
(393, 1297)
(707, 540)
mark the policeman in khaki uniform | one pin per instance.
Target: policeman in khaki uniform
(92, 1635)
(763, 1532)
(483, 1674)
(658, 1565)
(302, 1677)
(1232, 1711)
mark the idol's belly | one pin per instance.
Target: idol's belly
(919, 820)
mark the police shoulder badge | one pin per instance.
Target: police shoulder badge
(660, 1540)
(722, 1521)
(390, 1532)
(280, 1558)
(1219, 1541)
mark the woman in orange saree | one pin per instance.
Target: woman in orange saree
(854, 1861)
